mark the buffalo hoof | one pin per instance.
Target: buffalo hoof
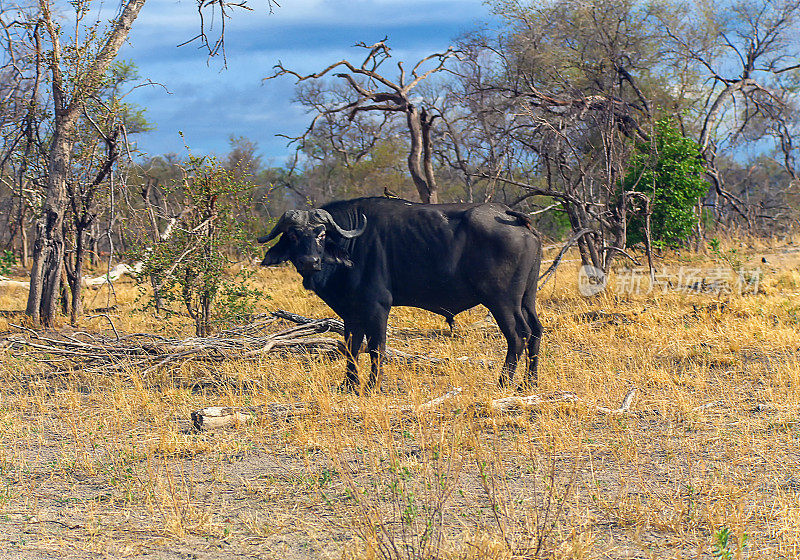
(504, 381)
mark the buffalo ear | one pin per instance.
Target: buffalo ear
(334, 254)
(277, 254)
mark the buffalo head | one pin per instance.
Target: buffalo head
(308, 238)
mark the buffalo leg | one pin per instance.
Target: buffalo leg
(376, 343)
(354, 337)
(533, 349)
(516, 330)
(529, 309)
(376, 373)
(451, 322)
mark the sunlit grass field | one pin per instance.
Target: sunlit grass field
(706, 463)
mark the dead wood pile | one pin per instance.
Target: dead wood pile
(93, 351)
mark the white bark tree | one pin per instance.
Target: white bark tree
(76, 62)
(70, 88)
(748, 54)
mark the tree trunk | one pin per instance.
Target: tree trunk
(94, 241)
(587, 246)
(23, 250)
(699, 235)
(77, 277)
(48, 248)
(427, 160)
(64, 298)
(23, 231)
(427, 192)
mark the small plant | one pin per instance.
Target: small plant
(731, 256)
(193, 266)
(7, 260)
(527, 516)
(721, 547)
(747, 279)
(397, 502)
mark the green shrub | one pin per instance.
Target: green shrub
(193, 267)
(7, 260)
(670, 172)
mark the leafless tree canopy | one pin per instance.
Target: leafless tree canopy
(555, 103)
(543, 111)
(745, 58)
(371, 90)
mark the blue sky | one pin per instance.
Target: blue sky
(209, 103)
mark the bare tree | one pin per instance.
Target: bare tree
(748, 57)
(574, 84)
(473, 138)
(106, 124)
(346, 158)
(82, 199)
(21, 144)
(71, 84)
(372, 91)
(767, 191)
(75, 63)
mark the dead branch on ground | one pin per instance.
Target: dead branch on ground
(93, 352)
(214, 417)
(98, 353)
(514, 404)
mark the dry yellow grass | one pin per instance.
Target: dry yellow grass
(104, 464)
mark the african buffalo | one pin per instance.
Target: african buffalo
(365, 255)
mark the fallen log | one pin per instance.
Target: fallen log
(214, 417)
(706, 406)
(438, 401)
(9, 283)
(113, 274)
(335, 325)
(624, 408)
(514, 404)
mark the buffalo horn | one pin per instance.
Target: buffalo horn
(320, 216)
(289, 218)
